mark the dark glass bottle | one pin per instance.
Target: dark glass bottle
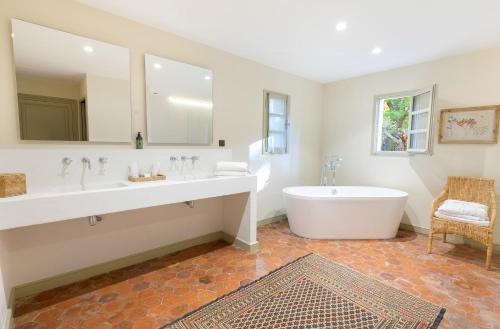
(139, 142)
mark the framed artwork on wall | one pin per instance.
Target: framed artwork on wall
(470, 125)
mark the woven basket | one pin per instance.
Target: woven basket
(12, 185)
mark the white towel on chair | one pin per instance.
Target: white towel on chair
(231, 166)
(463, 219)
(464, 209)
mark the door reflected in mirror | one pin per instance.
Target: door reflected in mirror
(179, 102)
(70, 88)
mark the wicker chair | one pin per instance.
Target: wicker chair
(480, 190)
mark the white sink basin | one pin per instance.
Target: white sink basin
(88, 187)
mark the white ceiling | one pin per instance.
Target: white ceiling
(299, 36)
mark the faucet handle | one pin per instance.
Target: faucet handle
(66, 161)
(103, 160)
(172, 158)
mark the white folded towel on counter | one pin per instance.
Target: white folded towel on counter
(457, 208)
(230, 173)
(231, 166)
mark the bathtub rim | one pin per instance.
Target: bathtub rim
(286, 193)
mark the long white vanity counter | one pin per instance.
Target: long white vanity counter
(58, 205)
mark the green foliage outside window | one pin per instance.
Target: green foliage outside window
(395, 124)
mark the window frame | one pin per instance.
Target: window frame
(378, 119)
(265, 132)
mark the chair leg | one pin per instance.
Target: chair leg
(489, 253)
(429, 244)
(444, 237)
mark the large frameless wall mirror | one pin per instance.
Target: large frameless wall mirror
(179, 102)
(70, 88)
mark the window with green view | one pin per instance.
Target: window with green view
(403, 122)
(395, 118)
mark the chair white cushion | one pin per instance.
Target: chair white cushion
(463, 219)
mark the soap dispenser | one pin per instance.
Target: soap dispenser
(139, 142)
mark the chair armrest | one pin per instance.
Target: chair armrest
(437, 201)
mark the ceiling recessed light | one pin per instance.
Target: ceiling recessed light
(88, 49)
(376, 50)
(341, 26)
(157, 66)
(207, 77)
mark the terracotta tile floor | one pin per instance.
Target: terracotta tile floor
(156, 292)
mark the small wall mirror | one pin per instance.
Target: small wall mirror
(70, 88)
(179, 102)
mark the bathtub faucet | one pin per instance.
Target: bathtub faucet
(331, 163)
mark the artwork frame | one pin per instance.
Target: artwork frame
(460, 125)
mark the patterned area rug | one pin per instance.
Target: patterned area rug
(313, 292)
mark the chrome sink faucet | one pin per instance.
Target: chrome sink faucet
(193, 159)
(86, 165)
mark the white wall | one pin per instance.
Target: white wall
(238, 92)
(468, 80)
(47, 174)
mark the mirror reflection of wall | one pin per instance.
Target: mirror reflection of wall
(179, 102)
(70, 88)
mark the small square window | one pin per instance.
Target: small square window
(275, 139)
(403, 122)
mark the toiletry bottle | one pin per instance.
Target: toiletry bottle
(139, 143)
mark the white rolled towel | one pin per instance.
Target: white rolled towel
(230, 173)
(457, 208)
(231, 166)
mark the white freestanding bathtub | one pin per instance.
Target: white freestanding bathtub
(344, 212)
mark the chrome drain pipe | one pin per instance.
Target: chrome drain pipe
(94, 219)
